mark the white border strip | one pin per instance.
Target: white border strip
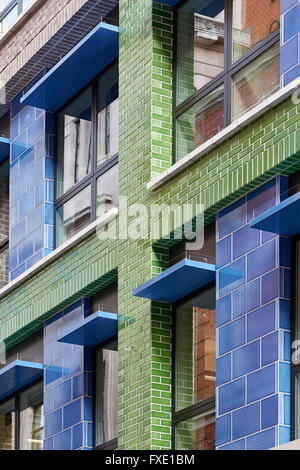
(229, 131)
(105, 219)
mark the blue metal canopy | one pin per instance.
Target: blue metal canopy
(4, 148)
(93, 330)
(17, 375)
(177, 282)
(283, 219)
(84, 62)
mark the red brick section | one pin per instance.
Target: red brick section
(4, 229)
(260, 17)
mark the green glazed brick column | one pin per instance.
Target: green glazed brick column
(145, 149)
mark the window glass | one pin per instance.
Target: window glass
(74, 142)
(7, 425)
(107, 191)
(256, 82)
(200, 45)
(252, 23)
(27, 3)
(196, 433)
(8, 20)
(196, 349)
(31, 418)
(108, 117)
(199, 123)
(73, 216)
(106, 397)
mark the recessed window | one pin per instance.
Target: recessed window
(195, 371)
(227, 61)
(21, 420)
(87, 156)
(106, 395)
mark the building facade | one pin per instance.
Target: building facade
(149, 224)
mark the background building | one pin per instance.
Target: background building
(121, 120)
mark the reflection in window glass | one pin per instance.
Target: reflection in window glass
(8, 20)
(7, 425)
(106, 397)
(200, 53)
(253, 24)
(74, 142)
(196, 433)
(199, 123)
(107, 191)
(73, 216)
(108, 115)
(256, 82)
(31, 418)
(196, 349)
(27, 3)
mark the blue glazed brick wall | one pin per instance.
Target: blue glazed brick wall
(290, 41)
(68, 384)
(253, 326)
(31, 186)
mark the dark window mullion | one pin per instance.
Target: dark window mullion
(17, 421)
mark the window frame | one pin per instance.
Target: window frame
(223, 78)
(295, 368)
(16, 397)
(10, 7)
(96, 171)
(113, 443)
(202, 407)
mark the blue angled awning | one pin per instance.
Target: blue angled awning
(93, 330)
(17, 375)
(84, 62)
(282, 219)
(177, 282)
(4, 148)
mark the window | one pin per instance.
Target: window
(228, 61)
(9, 12)
(87, 148)
(195, 372)
(21, 420)
(106, 396)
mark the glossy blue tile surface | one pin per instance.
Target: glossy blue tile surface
(231, 276)
(244, 240)
(246, 421)
(231, 396)
(269, 348)
(285, 314)
(62, 441)
(284, 435)
(261, 383)
(289, 55)
(262, 440)
(261, 260)
(284, 377)
(223, 369)
(246, 359)
(62, 394)
(286, 5)
(246, 298)
(232, 335)
(77, 432)
(72, 413)
(223, 310)
(269, 412)
(53, 423)
(270, 286)
(261, 199)
(232, 217)
(237, 445)
(261, 321)
(223, 429)
(291, 22)
(223, 252)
